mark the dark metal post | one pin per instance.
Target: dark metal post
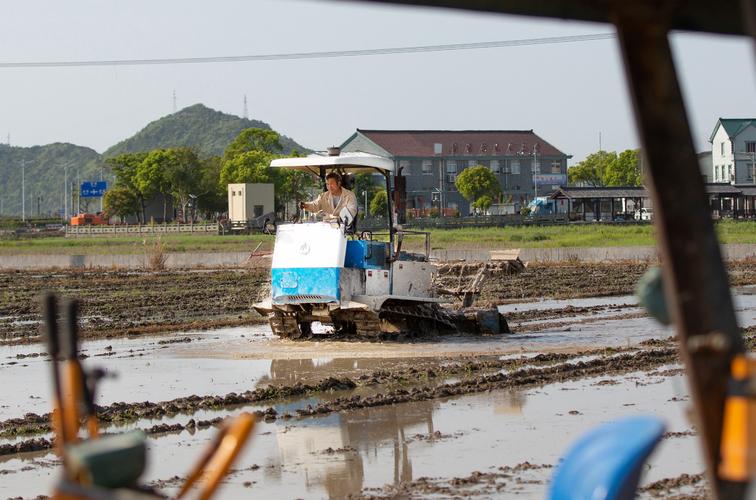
(696, 285)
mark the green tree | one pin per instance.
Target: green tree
(364, 182)
(254, 139)
(483, 202)
(125, 167)
(592, 170)
(120, 201)
(379, 205)
(479, 186)
(293, 185)
(249, 166)
(182, 175)
(624, 170)
(211, 197)
(152, 175)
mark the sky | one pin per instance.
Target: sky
(573, 94)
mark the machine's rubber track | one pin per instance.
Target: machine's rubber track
(421, 312)
(285, 325)
(394, 322)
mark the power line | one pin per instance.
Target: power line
(315, 55)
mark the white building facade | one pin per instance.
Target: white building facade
(733, 151)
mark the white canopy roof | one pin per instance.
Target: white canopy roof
(345, 161)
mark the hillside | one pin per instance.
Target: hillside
(207, 130)
(44, 175)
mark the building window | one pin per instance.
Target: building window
(472, 163)
(505, 167)
(404, 166)
(427, 167)
(451, 166)
(721, 149)
(495, 167)
(515, 167)
(556, 167)
(536, 166)
(750, 147)
(438, 148)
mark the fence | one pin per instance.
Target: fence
(129, 230)
(461, 222)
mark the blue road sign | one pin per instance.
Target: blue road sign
(93, 189)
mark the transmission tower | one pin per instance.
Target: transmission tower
(174, 102)
(246, 113)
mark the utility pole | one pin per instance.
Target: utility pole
(23, 190)
(535, 172)
(441, 173)
(102, 196)
(65, 193)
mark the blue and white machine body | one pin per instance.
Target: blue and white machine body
(308, 262)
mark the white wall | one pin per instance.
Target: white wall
(242, 199)
(718, 160)
(737, 163)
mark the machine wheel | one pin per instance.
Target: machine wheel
(288, 326)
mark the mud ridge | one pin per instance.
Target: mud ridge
(525, 377)
(41, 444)
(478, 483)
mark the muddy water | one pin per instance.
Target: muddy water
(344, 453)
(243, 358)
(373, 447)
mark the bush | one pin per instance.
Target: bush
(537, 237)
(515, 237)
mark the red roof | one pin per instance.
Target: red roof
(460, 142)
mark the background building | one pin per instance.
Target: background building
(431, 160)
(733, 150)
(705, 166)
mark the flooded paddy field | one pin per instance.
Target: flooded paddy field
(455, 416)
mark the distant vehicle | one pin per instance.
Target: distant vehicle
(98, 219)
(541, 206)
(644, 214)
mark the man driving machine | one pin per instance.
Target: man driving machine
(334, 200)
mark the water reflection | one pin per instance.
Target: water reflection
(333, 453)
(291, 371)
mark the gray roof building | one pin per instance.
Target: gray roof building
(524, 163)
